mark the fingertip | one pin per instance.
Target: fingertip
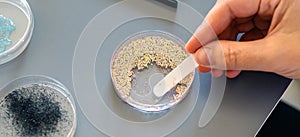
(203, 69)
(217, 73)
(201, 57)
(193, 45)
(232, 73)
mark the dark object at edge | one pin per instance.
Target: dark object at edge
(172, 3)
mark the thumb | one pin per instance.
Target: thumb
(233, 55)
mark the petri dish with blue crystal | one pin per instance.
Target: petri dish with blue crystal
(140, 62)
(16, 27)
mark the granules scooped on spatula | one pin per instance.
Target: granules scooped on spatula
(35, 110)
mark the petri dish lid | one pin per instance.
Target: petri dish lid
(21, 17)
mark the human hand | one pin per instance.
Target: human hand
(271, 40)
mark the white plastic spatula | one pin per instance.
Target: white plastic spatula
(175, 76)
(180, 72)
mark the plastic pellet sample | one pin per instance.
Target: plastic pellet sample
(35, 110)
(140, 62)
(6, 28)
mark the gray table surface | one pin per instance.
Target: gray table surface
(247, 102)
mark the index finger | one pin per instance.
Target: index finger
(218, 19)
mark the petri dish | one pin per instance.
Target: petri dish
(36, 106)
(21, 24)
(143, 59)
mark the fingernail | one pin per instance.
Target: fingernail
(193, 45)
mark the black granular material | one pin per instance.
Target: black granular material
(34, 114)
(35, 111)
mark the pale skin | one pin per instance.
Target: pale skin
(271, 42)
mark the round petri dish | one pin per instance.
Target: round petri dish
(143, 59)
(17, 25)
(36, 106)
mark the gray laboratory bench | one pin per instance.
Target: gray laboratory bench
(247, 101)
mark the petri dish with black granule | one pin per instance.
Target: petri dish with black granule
(140, 62)
(16, 27)
(36, 106)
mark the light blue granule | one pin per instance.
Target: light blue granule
(6, 27)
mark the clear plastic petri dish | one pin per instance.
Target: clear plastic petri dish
(16, 21)
(36, 106)
(140, 62)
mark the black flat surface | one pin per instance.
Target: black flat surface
(283, 122)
